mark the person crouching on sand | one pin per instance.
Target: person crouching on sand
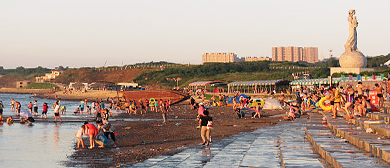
(79, 136)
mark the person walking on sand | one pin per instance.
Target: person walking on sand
(205, 123)
(92, 131)
(257, 112)
(79, 137)
(57, 112)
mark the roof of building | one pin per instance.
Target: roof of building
(204, 83)
(260, 83)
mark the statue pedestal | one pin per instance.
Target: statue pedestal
(350, 70)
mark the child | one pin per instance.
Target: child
(257, 112)
(10, 120)
(44, 110)
(79, 136)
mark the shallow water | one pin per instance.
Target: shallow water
(44, 144)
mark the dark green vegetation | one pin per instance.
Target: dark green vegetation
(10, 76)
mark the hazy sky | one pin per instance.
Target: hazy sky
(79, 33)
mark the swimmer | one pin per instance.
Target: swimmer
(10, 120)
(12, 105)
(63, 109)
(77, 111)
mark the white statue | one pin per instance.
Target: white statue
(352, 57)
(351, 44)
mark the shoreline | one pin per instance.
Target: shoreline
(140, 140)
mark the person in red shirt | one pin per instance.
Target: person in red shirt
(92, 131)
(44, 110)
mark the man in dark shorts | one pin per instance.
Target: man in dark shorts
(379, 89)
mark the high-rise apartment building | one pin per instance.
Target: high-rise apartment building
(295, 54)
(220, 57)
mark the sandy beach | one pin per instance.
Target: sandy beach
(138, 141)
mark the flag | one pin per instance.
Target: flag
(359, 77)
(373, 76)
(342, 77)
(350, 77)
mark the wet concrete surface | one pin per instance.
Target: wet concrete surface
(283, 145)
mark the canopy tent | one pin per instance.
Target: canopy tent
(255, 86)
(204, 83)
(209, 85)
(322, 81)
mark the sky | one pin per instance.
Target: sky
(96, 33)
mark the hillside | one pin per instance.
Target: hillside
(89, 75)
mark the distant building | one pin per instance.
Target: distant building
(49, 76)
(220, 57)
(295, 54)
(20, 84)
(229, 57)
(248, 59)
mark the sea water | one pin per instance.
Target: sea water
(44, 144)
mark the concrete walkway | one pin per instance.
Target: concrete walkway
(283, 145)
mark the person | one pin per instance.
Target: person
(204, 123)
(35, 107)
(1, 119)
(108, 130)
(350, 98)
(30, 106)
(81, 106)
(379, 90)
(164, 113)
(12, 104)
(10, 120)
(92, 131)
(359, 88)
(77, 111)
(27, 116)
(63, 109)
(1, 108)
(44, 110)
(79, 137)
(57, 112)
(192, 102)
(18, 106)
(365, 106)
(257, 111)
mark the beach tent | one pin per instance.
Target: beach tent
(230, 99)
(272, 104)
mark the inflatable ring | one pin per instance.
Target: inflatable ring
(322, 105)
(152, 101)
(254, 103)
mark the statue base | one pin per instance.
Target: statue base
(353, 59)
(350, 70)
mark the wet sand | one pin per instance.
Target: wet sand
(167, 139)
